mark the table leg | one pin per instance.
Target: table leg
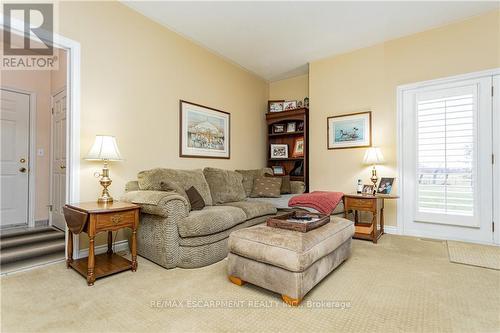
(69, 256)
(375, 229)
(382, 221)
(110, 243)
(134, 250)
(91, 262)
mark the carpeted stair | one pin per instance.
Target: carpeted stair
(25, 248)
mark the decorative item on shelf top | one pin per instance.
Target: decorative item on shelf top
(104, 149)
(373, 156)
(290, 127)
(299, 104)
(278, 128)
(275, 106)
(279, 151)
(298, 147)
(204, 131)
(289, 105)
(278, 170)
(385, 186)
(306, 102)
(300, 126)
(350, 130)
(368, 189)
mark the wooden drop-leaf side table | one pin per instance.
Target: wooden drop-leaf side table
(367, 203)
(93, 218)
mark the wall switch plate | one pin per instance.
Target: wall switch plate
(40, 152)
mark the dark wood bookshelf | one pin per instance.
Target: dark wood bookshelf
(293, 116)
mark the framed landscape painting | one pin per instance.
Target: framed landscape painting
(350, 131)
(204, 131)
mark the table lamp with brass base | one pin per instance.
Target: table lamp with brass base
(104, 149)
(373, 156)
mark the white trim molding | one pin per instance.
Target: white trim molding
(118, 246)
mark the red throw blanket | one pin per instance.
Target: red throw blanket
(323, 201)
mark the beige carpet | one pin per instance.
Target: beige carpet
(474, 254)
(400, 285)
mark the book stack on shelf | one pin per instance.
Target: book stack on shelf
(287, 139)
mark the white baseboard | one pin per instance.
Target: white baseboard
(117, 247)
(392, 230)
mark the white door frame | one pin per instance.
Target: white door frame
(496, 152)
(399, 125)
(51, 163)
(32, 152)
(73, 117)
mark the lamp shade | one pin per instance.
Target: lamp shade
(104, 148)
(373, 156)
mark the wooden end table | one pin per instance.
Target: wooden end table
(92, 218)
(367, 203)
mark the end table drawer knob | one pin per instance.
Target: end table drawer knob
(116, 219)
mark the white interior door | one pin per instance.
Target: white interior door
(447, 190)
(15, 110)
(58, 153)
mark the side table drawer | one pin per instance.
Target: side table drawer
(354, 203)
(108, 221)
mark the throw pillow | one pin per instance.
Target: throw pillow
(170, 186)
(150, 180)
(250, 175)
(195, 199)
(286, 186)
(266, 187)
(225, 186)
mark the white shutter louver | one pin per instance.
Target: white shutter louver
(446, 152)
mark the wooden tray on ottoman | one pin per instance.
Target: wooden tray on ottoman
(282, 221)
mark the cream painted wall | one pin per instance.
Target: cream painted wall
(366, 79)
(295, 88)
(133, 73)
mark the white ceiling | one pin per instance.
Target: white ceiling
(276, 40)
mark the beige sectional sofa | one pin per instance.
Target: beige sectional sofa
(172, 235)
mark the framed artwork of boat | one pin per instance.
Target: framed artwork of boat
(352, 130)
(204, 131)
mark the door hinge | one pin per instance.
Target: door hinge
(492, 158)
(492, 89)
(493, 226)
(50, 207)
(52, 110)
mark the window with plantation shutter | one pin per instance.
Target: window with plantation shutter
(446, 151)
(446, 147)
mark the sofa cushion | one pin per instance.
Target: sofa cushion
(290, 250)
(266, 187)
(225, 186)
(250, 175)
(210, 220)
(254, 209)
(151, 179)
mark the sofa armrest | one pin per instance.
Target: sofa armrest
(298, 187)
(132, 185)
(158, 203)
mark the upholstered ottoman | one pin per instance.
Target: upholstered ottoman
(288, 262)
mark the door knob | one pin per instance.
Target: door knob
(23, 170)
(63, 167)
(22, 160)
